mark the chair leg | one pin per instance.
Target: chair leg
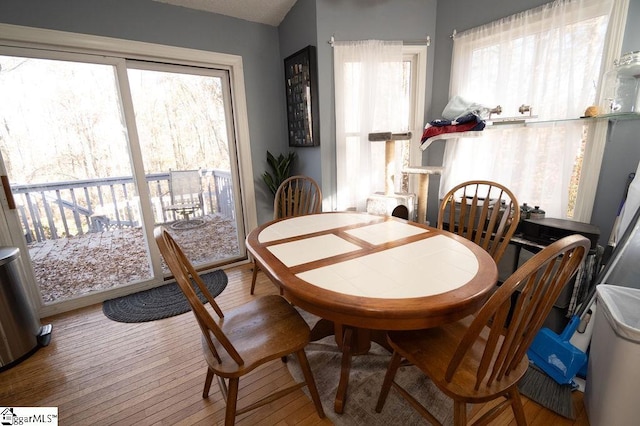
(516, 406)
(311, 383)
(207, 383)
(256, 268)
(459, 413)
(232, 400)
(394, 364)
(254, 276)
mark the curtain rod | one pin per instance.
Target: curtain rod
(426, 41)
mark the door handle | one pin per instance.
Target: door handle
(7, 192)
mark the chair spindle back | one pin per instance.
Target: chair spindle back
(297, 196)
(186, 277)
(511, 329)
(484, 212)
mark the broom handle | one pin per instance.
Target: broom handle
(584, 319)
(616, 223)
(584, 312)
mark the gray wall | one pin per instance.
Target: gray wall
(622, 152)
(297, 31)
(154, 22)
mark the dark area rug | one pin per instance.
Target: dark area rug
(365, 382)
(160, 302)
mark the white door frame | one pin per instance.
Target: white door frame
(14, 36)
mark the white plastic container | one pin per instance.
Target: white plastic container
(622, 85)
(613, 374)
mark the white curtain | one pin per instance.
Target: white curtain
(550, 59)
(594, 151)
(368, 92)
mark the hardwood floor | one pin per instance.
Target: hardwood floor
(101, 372)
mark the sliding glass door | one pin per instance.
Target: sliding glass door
(183, 120)
(100, 150)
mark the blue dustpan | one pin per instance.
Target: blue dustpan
(555, 355)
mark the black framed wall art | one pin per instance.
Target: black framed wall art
(300, 78)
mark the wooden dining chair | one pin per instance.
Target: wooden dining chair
(244, 338)
(296, 196)
(469, 210)
(473, 360)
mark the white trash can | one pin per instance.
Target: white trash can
(613, 372)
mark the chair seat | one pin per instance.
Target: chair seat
(262, 330)
(431, 350)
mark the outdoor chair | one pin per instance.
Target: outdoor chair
(244, 338)
(185, 189)
(483, 356)
(484, 212)
(296, 196)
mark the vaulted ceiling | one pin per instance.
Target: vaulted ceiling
(270, 12)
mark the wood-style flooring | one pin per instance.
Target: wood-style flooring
(101, 372)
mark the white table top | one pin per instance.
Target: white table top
(374, 272)
(430, 265)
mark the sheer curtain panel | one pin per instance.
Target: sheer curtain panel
(551, 59)
(368, 95)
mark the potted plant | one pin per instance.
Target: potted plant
(281, 169)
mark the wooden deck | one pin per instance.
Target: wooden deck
(101, 372)
(68, 267)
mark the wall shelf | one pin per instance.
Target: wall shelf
(523, 123)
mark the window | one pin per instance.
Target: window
(378, 89)
(551, 59)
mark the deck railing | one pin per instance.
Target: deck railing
(62, 209)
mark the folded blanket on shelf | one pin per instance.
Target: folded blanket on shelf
(468, 122)
(458, 107)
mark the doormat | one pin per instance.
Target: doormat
(160, 302)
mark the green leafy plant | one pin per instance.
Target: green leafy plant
(281, 169)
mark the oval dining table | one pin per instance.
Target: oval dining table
(365, 274)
